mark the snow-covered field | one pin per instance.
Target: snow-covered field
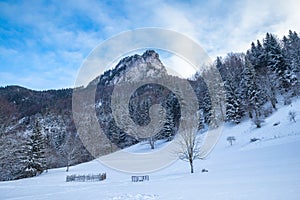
(266, 169)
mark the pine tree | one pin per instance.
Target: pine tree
(173, 114)
(234, 110)
(216, 94)
(34, 153)
(277, 63)
(256, 56)
(200, 115)
(251, 91)
(10, 162)
(230, 71)
(291, 51)
(265, 76)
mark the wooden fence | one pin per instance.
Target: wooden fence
(139, 178)
(86, 178)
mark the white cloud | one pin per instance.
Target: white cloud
(58, 43)
(176, 19)
(251, 20)
(230, 28)
(178, 67)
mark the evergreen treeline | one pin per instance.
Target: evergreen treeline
(256, 80)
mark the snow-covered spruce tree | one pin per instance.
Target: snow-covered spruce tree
(231, 71)
(33, 153)
(252, 94)
(256, 55)
(277, 64)
(291, 51)
(200, 114)
(216, 95)
(264, 75)
(206, 107)
(234, 110)
(170, 128)
(10, 162)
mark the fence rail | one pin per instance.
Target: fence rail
(86, 178)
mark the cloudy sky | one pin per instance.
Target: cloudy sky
(44, 43)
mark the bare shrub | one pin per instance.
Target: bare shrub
(292, 116)
(231, 139)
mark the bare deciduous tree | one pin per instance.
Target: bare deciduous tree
(70, 150)
(189, 144)
(230, 139)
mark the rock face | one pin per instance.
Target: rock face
(138, 67)
(133, 68)
(20, 108)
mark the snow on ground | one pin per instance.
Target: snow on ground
(266, 169)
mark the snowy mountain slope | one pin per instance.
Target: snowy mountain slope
(266, 169)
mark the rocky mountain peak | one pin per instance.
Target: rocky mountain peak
(135, 68)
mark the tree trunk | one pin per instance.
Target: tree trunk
(111, 147)
(250, 115)
(273, 102)
(68, 165)
(273, 94)
(192, 166)
(151, 142)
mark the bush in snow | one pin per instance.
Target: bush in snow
(287, 100)
(204, 170)
(276, 123)
(254, 139)
(292, 116)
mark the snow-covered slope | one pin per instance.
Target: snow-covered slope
(266, 169)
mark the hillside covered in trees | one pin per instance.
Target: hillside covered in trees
(37, 131)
